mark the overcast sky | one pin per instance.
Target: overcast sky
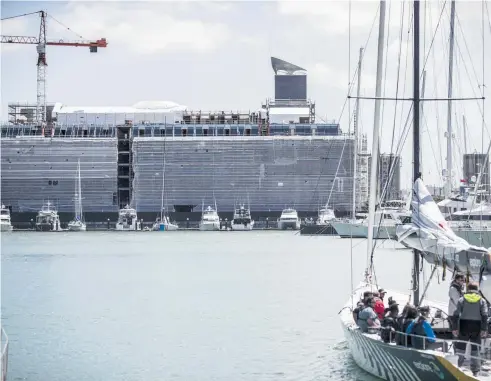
(216, 55)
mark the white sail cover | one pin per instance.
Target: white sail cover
(429, 231)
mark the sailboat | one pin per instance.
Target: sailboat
(432, 239)
(163, 223)
(78, 224)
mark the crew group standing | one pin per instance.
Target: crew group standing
(467, 312)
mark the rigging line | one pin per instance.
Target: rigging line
(483, 74)
(466, 46)
(337, 170)
(25, 14)
(398, 77)
(385, 69)
(355, 154)
(64, 26)
(489, 18)
(363, 55)
(472, 87)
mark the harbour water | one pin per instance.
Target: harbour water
(185, 305)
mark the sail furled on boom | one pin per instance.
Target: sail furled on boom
(439, 245)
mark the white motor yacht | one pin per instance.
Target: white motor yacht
(5, 223)
(242, 219)
(289, 220)
(128, 220)
(48, 219)
(325, 216)
(209, 220)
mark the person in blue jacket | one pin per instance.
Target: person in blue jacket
(421, 328)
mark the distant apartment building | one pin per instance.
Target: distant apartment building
(391, 185)
(472, 165)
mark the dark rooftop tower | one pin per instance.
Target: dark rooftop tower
(290, 81)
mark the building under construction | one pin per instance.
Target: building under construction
(274, 157)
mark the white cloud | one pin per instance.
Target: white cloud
(140, 27)
(331, 16)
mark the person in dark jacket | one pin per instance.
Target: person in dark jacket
(389, 324)
(455, 292)
(421, 328)
(361, 304)
(470, 320)
(409, 313)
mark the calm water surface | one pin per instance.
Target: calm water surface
(184, 305)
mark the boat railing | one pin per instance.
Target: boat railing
(446, 346)
(5, 354)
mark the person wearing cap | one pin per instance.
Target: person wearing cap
(382, 293)
(420, 328)
(470, 323)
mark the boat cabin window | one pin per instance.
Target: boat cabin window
(387, 217)
(4, 212)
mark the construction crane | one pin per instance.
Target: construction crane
(41, 43)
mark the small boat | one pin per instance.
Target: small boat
(5, 223)
(242, 219)
(325, 216)
(78, 224)
(209, 219)
(48, 219)
(163, 223)
(289, 220)
(128, 220)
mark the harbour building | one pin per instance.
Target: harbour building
(274, 157)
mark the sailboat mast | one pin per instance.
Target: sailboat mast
(416, 135)
(448, 184)
(79, 191)
(356, 134)
(376, 131)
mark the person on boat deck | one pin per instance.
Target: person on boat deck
(471, 320)
(379, 307)
(389, 324)
(455, 292)
(361, 304)
(420, 328)
(409, 313)
(367, 317)
(382, 293)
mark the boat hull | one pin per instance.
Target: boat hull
(327, 229)
(77, 227)
(5, 227)
(284, 225)
(349, 230)
(242, 227)
(395, 362)
(209, 226)
(165, 227)
(46, 227)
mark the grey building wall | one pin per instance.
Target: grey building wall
(472, 166)
(35, 170)
(273, 172)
